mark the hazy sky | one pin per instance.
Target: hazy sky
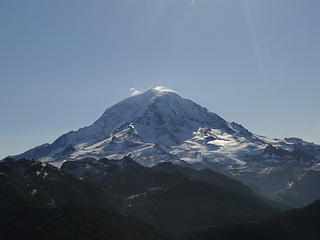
(63, 62)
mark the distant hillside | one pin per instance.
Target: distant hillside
(296, 224)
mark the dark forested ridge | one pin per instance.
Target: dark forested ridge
(120, 199)
(295, 224)
(73, 221)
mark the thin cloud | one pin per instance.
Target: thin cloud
(134, 91)
(253, 35)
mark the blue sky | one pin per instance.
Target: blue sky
(62, 63)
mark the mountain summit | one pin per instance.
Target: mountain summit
(157, 119)
(160, 115)
(158, 125)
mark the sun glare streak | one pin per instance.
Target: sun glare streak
(253, 35)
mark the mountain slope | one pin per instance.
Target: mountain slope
(181, 202)
(296, 224)
(160, 126)
(72, 220)
(169, 198)
(43, 185)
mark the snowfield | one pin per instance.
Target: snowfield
(159, 125)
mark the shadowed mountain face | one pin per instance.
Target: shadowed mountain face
(173, 197)
(112, 199)
(161, 126)
(45, 185)
(206, 175)
(40, 201)
(296, 224)
(162, 197)
(72, 220)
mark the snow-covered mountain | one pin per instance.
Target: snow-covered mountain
(159, 125)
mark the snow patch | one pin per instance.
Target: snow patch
(34, 192)
(162, 89)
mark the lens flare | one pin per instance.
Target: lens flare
(192, 3)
